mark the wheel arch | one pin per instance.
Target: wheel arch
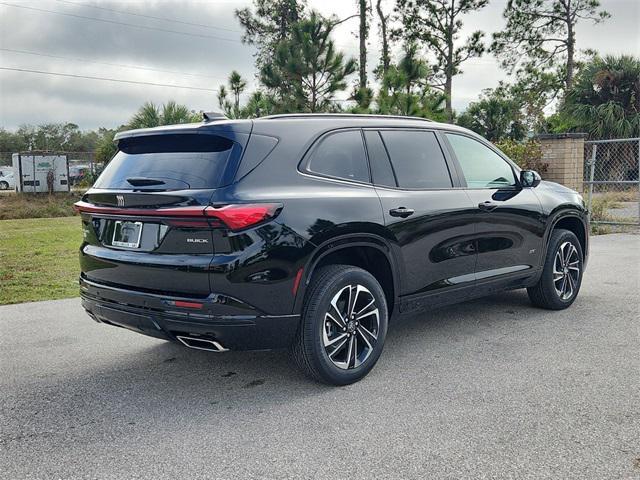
(574, 222)
(367, 251)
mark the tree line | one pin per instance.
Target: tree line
(553, 85)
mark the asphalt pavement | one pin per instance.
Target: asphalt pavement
(488, 389)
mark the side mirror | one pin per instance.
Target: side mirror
(529, 178)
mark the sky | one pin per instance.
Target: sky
(196, 44)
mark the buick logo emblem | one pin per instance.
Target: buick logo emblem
(120, 200)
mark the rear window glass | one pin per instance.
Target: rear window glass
(168, 162)
(341, 155)
(417, 159)
(379, 160)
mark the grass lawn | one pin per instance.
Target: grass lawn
(39, 259)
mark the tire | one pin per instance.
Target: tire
(4, 186)
(559, 284)
(333, 349)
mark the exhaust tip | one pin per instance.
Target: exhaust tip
(201, 344)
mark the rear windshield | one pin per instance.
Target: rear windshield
(167, 162)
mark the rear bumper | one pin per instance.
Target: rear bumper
(233, 324)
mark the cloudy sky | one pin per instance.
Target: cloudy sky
(106, 38)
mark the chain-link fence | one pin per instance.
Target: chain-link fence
(612, 183)
(83, 169)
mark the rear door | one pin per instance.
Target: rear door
(507, 219)
(426, 212)
(144, 220)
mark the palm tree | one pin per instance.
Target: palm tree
(237, 84)
(171, 113)
(147, 116)
(258, 105)
(605, 102)
(605, 98)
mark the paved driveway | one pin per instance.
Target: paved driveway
(488, 389)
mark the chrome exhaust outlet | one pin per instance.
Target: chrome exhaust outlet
(201, 344)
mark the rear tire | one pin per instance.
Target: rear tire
(344, 325)
(561, 277)
(4, 185)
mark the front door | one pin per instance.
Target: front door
(507, 218)
(427, 214)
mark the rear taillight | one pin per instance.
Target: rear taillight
(243, 215)
(235, 216)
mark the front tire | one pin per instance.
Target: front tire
(344, 325)
(561, 276)
(4, 185)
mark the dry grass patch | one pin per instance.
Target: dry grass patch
(37, 205)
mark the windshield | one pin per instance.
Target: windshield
(167, 162)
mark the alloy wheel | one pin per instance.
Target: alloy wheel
(566, 271)
(351, 326)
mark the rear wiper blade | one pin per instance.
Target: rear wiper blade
(144, 182)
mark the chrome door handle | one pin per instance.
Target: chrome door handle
(487, 206)
(401, 212)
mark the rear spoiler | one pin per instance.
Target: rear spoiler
(237, 126)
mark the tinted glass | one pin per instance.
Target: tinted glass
(417, 159)
(482, 167)
(379, 160)
(167, 162)
(341, 155)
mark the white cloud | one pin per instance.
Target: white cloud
(31, 98)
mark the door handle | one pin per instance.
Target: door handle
(401, 212)
(487, 206)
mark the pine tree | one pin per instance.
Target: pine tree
(540, 35)
(436, 24)
(310, 64)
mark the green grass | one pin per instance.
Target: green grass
(39, 259)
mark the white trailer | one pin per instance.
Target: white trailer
(31, 171)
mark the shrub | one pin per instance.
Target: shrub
(528, 155)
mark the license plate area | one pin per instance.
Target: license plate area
(126, 234)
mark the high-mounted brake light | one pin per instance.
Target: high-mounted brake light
(243, 215)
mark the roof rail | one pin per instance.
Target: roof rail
(340, 115)
(213, 116)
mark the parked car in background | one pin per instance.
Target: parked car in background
(77, 173)
(311, 232)
(7, 180)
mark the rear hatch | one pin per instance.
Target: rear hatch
(145, 220)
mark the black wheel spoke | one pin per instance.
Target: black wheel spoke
(339, 321)
(368, 337)
(337, 348)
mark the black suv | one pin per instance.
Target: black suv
(312, 231)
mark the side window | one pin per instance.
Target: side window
(381, 171)
(417, 159)
(341, 155)
(482, 167)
